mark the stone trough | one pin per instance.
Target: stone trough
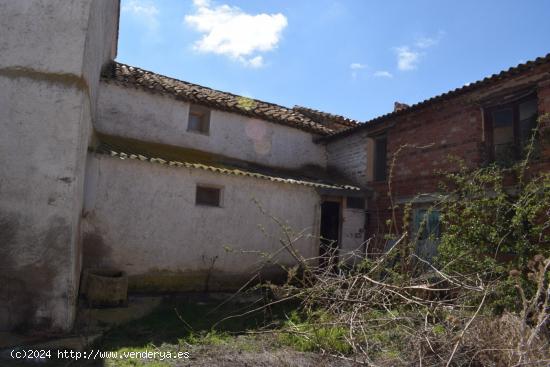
(105, 288)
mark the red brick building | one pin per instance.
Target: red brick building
(486, 121)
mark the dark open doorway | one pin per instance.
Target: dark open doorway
(330, 232)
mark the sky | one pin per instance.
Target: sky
(349, 57)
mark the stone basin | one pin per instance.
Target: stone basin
(105, 288)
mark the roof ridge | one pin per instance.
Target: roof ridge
(202, 86)
(154, 82)
(338, 118)
(450, 93)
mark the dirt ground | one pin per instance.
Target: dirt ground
(227, 356)
(205, 330)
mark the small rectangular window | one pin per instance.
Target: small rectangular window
(527, 121)
(209, 196)
(426, 224)
(503, 134)
(426, 231)
(512, 126)
(199, 120)
(380, 158)
(355, 203)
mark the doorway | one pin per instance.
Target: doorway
(330, 233)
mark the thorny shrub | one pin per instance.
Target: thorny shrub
(482, 301)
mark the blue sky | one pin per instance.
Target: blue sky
(349, 57)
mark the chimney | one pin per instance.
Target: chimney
(397, 106)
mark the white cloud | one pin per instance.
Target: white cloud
(407, 59)
(143, 11)
(357, 66)
(229, 31)
(255, 62)
(201, 3)
(383, 74)
(427, 42)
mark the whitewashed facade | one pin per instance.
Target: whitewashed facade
(68, 203)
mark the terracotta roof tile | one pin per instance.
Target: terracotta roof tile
(130, 76)
(529, 65)
(325, 117)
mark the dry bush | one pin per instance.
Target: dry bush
(496, 341)
(381, 318)
(397, 309)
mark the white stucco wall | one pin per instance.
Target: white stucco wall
(100, 44)
(46, 112)
(40, 182)
(43, 34)
(141, 115)
(142, 218)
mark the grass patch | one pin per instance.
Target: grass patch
(314, 333)
(212, 337)
(177, 325)
(175, 321)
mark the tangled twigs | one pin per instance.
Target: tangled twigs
(378, 316)
(536, 310)
(461, 335)
(395, 308)
(426, 319)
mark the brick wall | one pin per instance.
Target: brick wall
(423, 140)
(347, 158)
(544, 107)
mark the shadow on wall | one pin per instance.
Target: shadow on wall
(94, 250)
(29, 264)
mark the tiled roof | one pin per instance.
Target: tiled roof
(131, 76)
(325, 116)
(183, 158)
(495, 78)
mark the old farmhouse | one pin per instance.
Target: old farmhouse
(186, 188)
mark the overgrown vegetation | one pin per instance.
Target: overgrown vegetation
(307, 336)
(182, 325)
(496, 224)
(483, 300)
